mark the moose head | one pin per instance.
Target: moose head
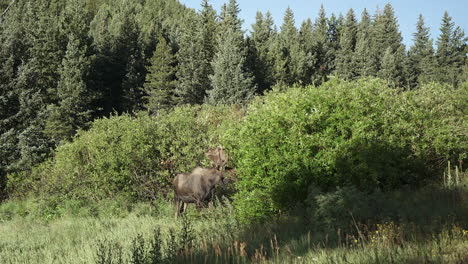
(218, 157)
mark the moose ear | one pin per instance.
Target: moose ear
(217, 156)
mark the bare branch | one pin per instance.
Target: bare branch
(6, 10)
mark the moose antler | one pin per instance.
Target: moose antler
(218, 157)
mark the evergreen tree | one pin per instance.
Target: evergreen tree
(386, 35)
(158, 17)
(365, 64)
(231, 82)
(280, 62)
(230, 20)
(262, 36)
(321, 47)
(451, 53)
(92, 6)
(160, 84)
(421, 56)
(306, 39)
(131, 49)
(120, 65)
(334, 31)
(444, 43)
(290, 59)
(13, 50)
(191, 86)
(388, 70)
(196, 51)
(345, 65)
(73, 108)
(392, 68)
(297, 53)
(281, 57)
(36, 80)
(385, 31)
(208, 29)
(465, 68)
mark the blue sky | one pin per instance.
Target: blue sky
(407, 11)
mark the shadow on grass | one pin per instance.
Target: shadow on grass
(407, 225)
(347, 219)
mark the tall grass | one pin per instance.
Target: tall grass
(423, 231)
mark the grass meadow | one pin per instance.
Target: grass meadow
(430, 227)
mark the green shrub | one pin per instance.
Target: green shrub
(133, 157)
(361, 134)
(427, 207)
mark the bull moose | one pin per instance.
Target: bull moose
(198, 186)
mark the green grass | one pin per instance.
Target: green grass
(76, 240)
(37, 238)
(66, 240)
(430, 226)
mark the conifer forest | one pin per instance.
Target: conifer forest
(342, 144)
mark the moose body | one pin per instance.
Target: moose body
(196, 187)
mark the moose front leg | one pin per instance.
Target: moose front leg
(177, 207)
(210, 201)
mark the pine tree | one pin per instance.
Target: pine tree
(290, 57)
(392, 68)
(120, 64)
(230, 20)
(444, 47)
(130, 48)
(334, 31)
(345, 65)
(73, 107)
(451, 53)
(36, 80)
(306, 39)
(231, 82)
(262, 37)
(196, 51)
(386, 35)
(280, 61)
(73, 110)
(208, 30)
(160, 84)
(421, 56)
(464, 77)
(365, 64)
(321, 47)
(191, 86)
(12, 52)
(460, 42)
(388, 70)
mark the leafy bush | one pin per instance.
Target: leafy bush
(361, 134)
(133, 157)
(426, 207)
